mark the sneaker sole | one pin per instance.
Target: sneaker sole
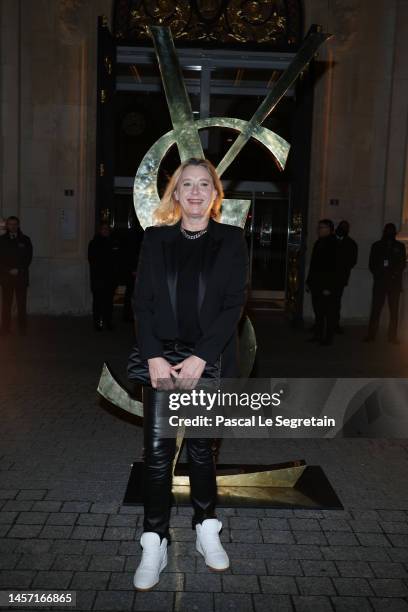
(147, 589)
(217, 569)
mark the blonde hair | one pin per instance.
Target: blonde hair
(169, 210)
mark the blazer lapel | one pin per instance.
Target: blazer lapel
(207, 264)
(171, 267)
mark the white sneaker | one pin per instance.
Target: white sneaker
(154, 560)
(209, 545)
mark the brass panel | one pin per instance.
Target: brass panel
(286, 477)
(108, 64)
(277, 24)
(251, 496)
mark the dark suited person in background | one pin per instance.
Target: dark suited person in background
(103, 257)
(16, 253)
(387, 262)
(321, 282)
(346, 259)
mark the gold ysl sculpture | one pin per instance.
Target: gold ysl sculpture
(234, 212)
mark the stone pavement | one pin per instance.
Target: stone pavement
(64, 464)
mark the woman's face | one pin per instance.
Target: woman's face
(195, 192)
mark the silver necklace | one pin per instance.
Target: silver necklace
(193, 236)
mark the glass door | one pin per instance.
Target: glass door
(266, 232)
(269, 243)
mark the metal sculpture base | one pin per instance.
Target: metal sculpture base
(285, 485)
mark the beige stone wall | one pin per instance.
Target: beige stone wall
(360, 127)
(48, 58)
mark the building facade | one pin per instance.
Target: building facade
(48, 75)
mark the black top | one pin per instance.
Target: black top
(322, 269)
(387, 263)
(190, 253)
(15, 253)
(346, 259)
(103, 257)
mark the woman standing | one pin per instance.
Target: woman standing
(189, 294)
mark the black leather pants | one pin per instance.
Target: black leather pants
(157, 475)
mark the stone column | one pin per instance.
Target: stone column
(48, 124)
(10, 107)
(397, 162)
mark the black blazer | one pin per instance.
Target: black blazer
(15, 253)
(223, 282)
(322, 269)
(395, 253)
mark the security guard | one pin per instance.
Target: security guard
(16, 253)
(103, 257)
(387, 263)
(321, 282)
(346, 259)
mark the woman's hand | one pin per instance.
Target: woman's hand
(188, 371)
(160, 369)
